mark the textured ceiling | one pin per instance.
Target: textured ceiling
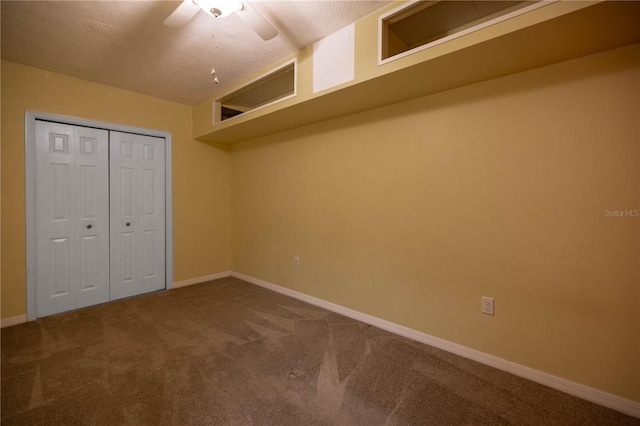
(125, 44)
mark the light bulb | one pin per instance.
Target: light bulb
(220, 8)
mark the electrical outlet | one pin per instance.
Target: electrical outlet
(296, 262)
(487, 305)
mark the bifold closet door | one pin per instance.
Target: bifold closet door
(137, 193)
(72, 217)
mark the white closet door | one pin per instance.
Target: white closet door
(137, 214)
(92, 216)
(72, 223)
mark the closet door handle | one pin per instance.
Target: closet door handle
(128, 223)
(89, 226)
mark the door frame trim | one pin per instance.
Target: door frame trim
(30, 191)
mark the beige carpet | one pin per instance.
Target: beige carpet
(228, 352)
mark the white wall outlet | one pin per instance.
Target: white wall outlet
(487, 305)
(296, 262)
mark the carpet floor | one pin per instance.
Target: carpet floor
(228, 352)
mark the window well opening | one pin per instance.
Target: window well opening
(273, 87)
(425, 22)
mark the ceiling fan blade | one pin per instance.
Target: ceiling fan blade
(256, 22)
(183, 14)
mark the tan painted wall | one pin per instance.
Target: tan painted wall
(0, 192)
(414, 211)
(200, 171)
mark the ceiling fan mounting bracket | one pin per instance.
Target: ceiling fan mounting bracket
(219, 9)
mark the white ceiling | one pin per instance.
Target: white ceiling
(125, 44)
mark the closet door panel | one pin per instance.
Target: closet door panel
(55, 253)
(72, 226)
(137, 214)
(92, 213)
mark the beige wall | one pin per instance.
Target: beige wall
(411, 212)
(414, 211)
(200, 171)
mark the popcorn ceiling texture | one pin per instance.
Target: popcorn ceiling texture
(125, 44)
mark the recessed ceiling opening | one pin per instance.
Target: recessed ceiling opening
(275, 86)
(428, 21)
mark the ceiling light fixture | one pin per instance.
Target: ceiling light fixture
(219, 8)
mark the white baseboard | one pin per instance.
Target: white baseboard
(203, 279)
(8, 322)
(605, 399)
